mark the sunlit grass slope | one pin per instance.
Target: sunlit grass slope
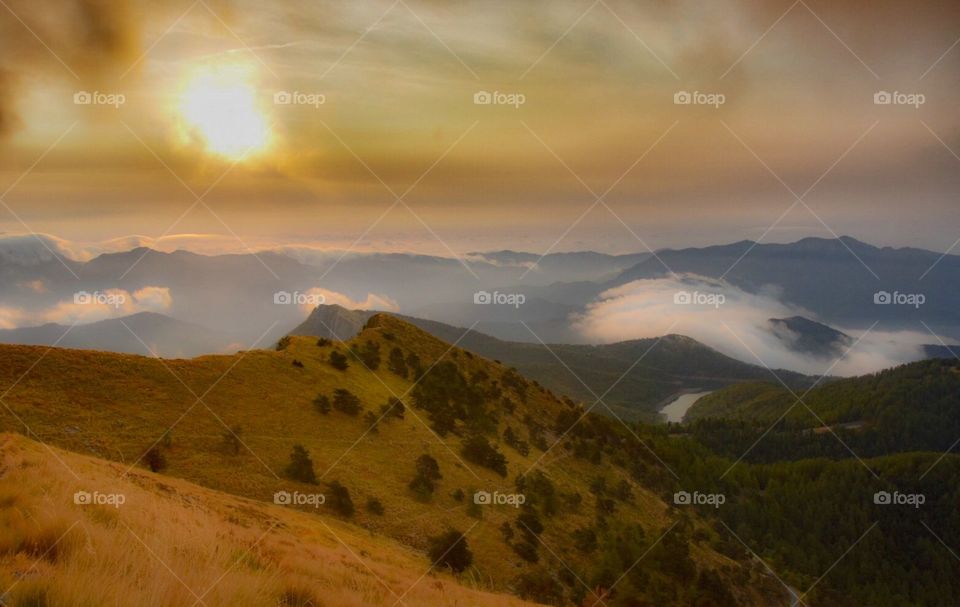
(173, 543)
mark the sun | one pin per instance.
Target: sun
(218, 108)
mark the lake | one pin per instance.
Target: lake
(677, 408)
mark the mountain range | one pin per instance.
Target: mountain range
(833, 282)
(836, 279)
(634, 378)
(145, 333)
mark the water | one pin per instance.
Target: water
(676, 409)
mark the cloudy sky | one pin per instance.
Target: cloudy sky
(585, 147)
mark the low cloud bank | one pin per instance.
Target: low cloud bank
(734, 322)
(373, 301)
(86, 307)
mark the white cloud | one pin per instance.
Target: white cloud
(32, 249)
(372, 302)
(738, 326)
(86, 307)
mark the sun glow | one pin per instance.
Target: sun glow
(218, 109)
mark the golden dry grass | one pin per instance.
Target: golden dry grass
(173, 543)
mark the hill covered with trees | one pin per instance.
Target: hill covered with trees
(636, 376)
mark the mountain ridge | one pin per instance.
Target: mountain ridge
(638, 386)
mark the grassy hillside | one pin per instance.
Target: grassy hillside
(643, 373)
(485, 427)
(172, 543)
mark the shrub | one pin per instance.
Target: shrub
(396, 362)
(369, 355)
(511, 379)
(346, 401)
(374, 506)
(422, 487)
(585, 539)
(301, 466)
(526, 551)
(428, 467)
(371, 421)
(339, 361)
(297, 363)
(155, 459)
(231, 440)
(605, 506)
(450, 550)
(323, 342)
(540, 492)
(565, 420)
(478, 450)
(428, 472)
(414, 365)
(322, 403)
(338, 498)
(283, 343)
(393, 408)
(529, 524)
(539, 586)
(443, 421)
(520, 446)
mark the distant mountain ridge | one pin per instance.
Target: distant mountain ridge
(234, 293)
(145, 333)
(836, 279)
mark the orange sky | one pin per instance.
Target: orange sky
(397, 82)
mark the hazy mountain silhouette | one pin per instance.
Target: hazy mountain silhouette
(826, 277)
(145, 333)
